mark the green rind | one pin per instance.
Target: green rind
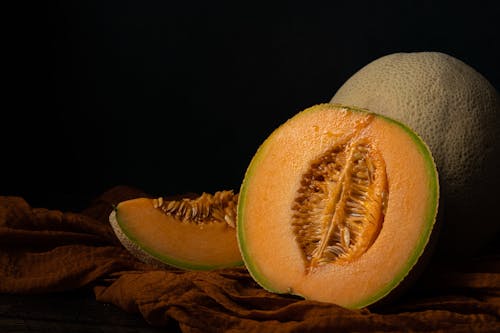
(148, 255)
(421, 245)
(247, 258)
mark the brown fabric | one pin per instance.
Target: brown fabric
(45, 251)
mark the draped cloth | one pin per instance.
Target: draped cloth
(44, 251)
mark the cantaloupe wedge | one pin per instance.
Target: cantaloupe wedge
(194, 234)
(337, 205)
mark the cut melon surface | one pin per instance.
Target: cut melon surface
(162, 239)
(337, 205)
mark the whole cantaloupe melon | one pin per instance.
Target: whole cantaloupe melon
(457, 113)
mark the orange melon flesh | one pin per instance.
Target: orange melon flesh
(266, 237)
(160, 238)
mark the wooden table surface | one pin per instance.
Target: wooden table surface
(68, 312)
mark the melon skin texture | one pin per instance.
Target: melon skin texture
(268, 236)
(457, 113)
(166, 241)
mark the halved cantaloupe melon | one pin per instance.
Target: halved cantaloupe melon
(337, 205)
(191, 233)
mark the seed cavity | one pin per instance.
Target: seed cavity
(207, 208)
(340, 204)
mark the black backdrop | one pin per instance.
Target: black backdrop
(176, 97)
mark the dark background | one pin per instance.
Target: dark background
(175, 97)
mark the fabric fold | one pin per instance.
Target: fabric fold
(45, 250)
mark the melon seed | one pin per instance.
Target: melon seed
(219, 207)
(340, 205)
